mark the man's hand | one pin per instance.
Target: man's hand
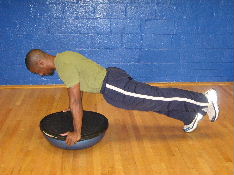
(72, 137)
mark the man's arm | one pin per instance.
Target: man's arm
(68, 109)
(75, 103)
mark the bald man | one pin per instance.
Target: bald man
(81, 74)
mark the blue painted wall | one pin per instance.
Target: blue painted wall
(154, 40)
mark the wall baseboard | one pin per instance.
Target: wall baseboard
(192, 84)
(154, 84)
(32, 86)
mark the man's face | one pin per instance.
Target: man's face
(43, 71)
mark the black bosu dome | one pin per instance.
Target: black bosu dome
(93, 124)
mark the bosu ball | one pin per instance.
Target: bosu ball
(94, 126)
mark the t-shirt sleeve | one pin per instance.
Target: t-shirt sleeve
(68, 74)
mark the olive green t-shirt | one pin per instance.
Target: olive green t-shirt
(75, 68)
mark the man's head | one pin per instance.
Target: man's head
(39, 62)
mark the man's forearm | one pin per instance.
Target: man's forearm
(77, 112)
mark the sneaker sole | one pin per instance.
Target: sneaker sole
(216, 108)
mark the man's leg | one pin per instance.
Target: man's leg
(120, 90)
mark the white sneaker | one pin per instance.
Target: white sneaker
(213, 108)
(193, 125)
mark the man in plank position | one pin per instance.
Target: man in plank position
(121, 90)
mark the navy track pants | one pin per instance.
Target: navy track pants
(121, 90)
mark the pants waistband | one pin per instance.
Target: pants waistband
(105, 80)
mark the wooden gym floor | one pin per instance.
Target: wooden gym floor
(136, 143)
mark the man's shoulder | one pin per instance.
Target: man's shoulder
(67, 57)
(68, 53)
